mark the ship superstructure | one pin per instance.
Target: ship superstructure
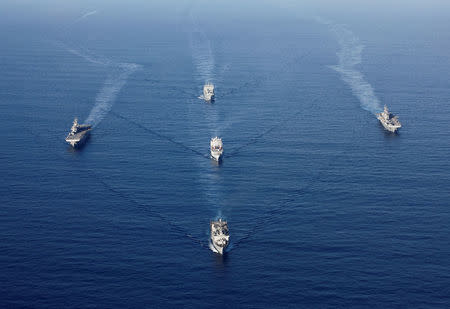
(389, 121)
(216, 148)
(78, 133)
(208, 92)
(220, 236)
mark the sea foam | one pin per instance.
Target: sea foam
(117, 78)
(349, 57)
(108, 93)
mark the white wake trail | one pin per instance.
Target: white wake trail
(202, 54)
(108, 93)
(204, 63)
(349, 57)
(85, 15)
(86, 57)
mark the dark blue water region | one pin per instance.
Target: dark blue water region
(325, 208)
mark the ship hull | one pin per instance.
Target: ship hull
(77, 143)
(389, 127)
(220, 250)
(209, 98)
(216, 156)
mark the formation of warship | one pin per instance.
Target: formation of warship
(78, 134)
(388, 120)
(208, 92)
(216, 148)
(220, 236)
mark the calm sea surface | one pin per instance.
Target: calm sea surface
(325, 208)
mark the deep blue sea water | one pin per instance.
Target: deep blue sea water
(325, 208)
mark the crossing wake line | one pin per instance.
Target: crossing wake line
(256, 82)
(293, 196)
(228, 154)
(148, 209)
(117, 76)
(231, 153)
(159, 135)
(144, 207)
(291, 200)
(283, 205)
(257, 138)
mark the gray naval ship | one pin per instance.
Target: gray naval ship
(208, 92)
(78, 134)
(220, 236)
(216, 148)
(388, 120)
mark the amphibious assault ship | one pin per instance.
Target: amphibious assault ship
(388, 120)
(78, 134)
(216, 147)
(219, 235)
(208, 92)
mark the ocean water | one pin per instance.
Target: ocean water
(325, 208)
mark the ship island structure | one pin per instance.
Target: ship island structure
(78, 134)
(216, 148)
(389, 121)
(208, 92)
(220, 236)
